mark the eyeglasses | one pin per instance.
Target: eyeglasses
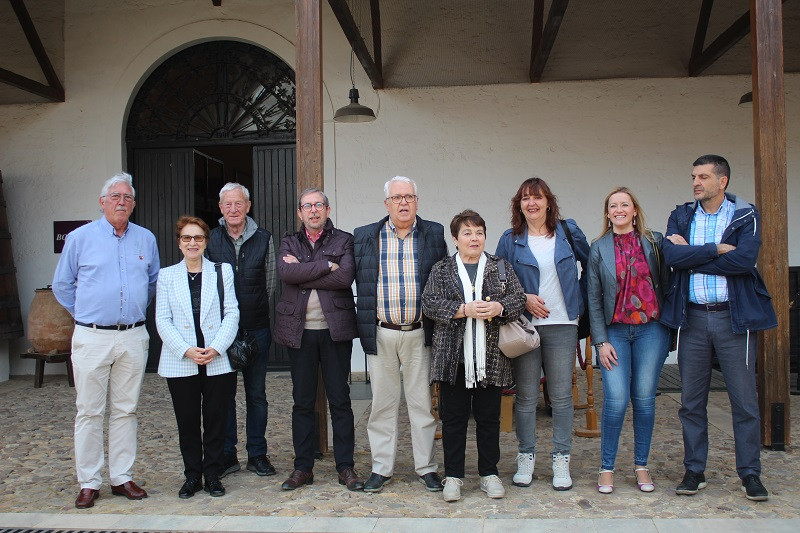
(115, 196)
(199, 239)
(319, 206)
(227, 206)
(398, 198)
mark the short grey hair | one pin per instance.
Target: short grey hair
(311, 190)
(121, 177)
(398, 178)
(230, 186)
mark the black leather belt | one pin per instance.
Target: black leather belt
(721, 306)
(400, 327)
(118, 327)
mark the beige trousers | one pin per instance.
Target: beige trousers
(401, 352)
(107, 363)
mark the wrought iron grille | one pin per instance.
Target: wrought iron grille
(218, 90)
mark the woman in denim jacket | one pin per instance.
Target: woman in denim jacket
(539, 250)
(626, 278)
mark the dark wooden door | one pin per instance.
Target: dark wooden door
(165, 189)
(274, 198)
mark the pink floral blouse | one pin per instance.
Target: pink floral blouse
(636, 300)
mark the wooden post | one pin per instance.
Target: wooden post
(591, 429)
(308, 110)
(769, 136)
(308, 83)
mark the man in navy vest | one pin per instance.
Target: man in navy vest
(239, 241)
(394, 257)
(718, 302)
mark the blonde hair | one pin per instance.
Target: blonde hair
(639, 223)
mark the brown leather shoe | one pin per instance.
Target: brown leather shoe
(298, 479)
(348, 477)
(86, 498)
(130, 490)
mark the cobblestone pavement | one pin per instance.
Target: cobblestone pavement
(37, 468)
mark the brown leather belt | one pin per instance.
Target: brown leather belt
(400, 327)
(721, 306)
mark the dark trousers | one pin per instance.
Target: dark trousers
(706, 334)
(255, 393)
(457, 402)
(203, 396)
(318, 350)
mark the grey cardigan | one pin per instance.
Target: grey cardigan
(602, 291)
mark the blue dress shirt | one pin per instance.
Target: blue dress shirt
(104, 279)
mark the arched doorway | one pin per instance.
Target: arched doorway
(215, 112)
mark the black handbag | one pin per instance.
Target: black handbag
(244, 348)
(584, 328)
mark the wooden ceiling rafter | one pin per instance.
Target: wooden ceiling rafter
(544, 43)
(702, 58)
(356, 40)
(54, 91)
(375, 12)
(536, 34)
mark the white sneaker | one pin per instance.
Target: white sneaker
(524, 475)
(492, 486)
(561, 479)
(452, 489)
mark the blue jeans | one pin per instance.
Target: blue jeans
(255, 390)
(705, 334)
(641, 352)
(557, 355)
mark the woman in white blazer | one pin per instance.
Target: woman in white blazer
(193, 357)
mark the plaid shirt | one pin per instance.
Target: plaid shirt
(706, 228)
(399, 292)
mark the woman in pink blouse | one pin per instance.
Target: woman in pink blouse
(627, 275)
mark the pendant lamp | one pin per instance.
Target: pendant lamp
(353, 112)
(746, 100)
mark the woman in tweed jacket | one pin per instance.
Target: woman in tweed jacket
(465, 359)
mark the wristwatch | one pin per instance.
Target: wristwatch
(598, 345)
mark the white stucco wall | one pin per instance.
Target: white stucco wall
(466, 146)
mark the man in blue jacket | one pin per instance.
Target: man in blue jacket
(717, 301)
(393, 260)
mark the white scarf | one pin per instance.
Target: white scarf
(474, 355)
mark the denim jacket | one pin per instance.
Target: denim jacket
(515, 250)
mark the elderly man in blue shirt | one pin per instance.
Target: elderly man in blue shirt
(105, 278)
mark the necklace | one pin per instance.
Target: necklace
(194, 276)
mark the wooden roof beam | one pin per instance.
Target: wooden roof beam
(377, 54)
(55, 90)
(351, 31)
(702, 59)
(31, 86)
(544, 44)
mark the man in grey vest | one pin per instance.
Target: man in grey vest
(249, 249)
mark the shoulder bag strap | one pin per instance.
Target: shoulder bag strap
(220, 290)
(501, 273)
(569, 235)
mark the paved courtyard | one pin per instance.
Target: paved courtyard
(37, 471)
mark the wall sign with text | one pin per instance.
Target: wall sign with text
(60, 230)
